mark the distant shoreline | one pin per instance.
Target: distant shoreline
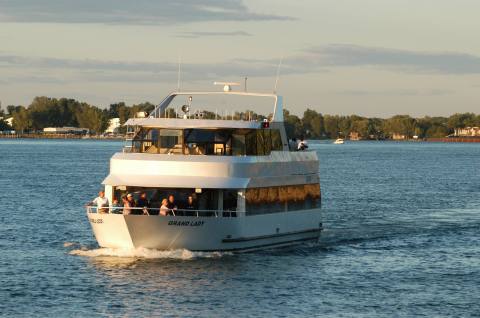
(59, 136)
(122, 138)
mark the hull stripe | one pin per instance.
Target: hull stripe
(263, 246)
(262, 237)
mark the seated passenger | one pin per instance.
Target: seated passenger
(116, 207)
(164, 208)
(126, 206)
(172, 207)
(302, 144)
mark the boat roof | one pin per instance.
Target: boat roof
(192, 123)
(277, 107)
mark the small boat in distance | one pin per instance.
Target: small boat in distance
(339, 141)
(208, 184)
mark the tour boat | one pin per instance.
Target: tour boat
(339, 141)
(250, 191)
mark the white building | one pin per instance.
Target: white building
(467, 132)
(8, 120)
(113, 126)
(65, 130)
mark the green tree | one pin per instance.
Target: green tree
(462, 120)
(361, 126)
(22, 121)
(313, 123)
(400, 124)
(91, 117)
(332, 128)
(293, 125)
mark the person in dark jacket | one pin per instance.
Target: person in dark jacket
(132, 204)
(191, 206)
(143, 202)
(172, 207)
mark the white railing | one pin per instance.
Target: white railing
(156, 211)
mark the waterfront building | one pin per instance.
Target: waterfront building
(467, 132)
(113, 126)
(355, 136)
(66, 130)
(396, 136)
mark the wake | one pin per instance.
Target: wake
(145, 253)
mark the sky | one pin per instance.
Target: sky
(365, 57)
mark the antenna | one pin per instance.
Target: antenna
(278, 76)
(179, 68)
(246, 78)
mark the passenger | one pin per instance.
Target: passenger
(132, 205)
(172, 207)
(143, 202)
(190, 206)
(101, 202)
(302, 145)
(116, 207)
(126, 206)
(164, 208)
(154, 203)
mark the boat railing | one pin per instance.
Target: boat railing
(169, 212)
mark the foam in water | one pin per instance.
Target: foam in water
(147, 253)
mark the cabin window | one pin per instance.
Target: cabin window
(208, 142)
(261, 143)
(230, 200)
(251, 143)
(276, 140)
(282, 199)
(220, 142)
(146, 141)
(238, 145)
(171, 141)
(154, 140)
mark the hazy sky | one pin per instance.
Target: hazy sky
(369, 57)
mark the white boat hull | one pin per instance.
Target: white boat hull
(206, 233)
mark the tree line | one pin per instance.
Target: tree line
(52, 112)
(318, 126)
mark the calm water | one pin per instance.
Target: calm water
(402, 239)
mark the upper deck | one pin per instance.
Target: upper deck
(160, 110)
(168, 132)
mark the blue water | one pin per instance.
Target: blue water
(402, 239)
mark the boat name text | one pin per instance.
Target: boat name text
(185, 223)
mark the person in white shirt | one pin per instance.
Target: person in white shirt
(101, 202)
(164, 208)
(302, 144)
